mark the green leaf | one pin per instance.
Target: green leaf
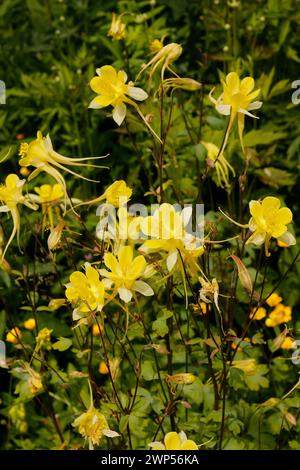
(275, 177)
(262, 137)
(257, 380)
(62, 344)
(160, 326)
(148, 371)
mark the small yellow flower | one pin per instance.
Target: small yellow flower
(175, 441)
(222, 166)
(93, 425)
(209, 291)
(95, 329)
(258, 313)
(117, 27)
(34, 381)
(204, 308)
(166, 230)
(236, 101)
(164, 56)
(55, 235)
(288, 343)
(269, 220)
(125, 273)
(40, 154)
(17, 415)
(187, 84)
(273, 300)
(117, 194)
(103, 369)
(24, 171)
(11, 195)
(43, 339)
(85, 290)
(113, 90)
(14, 335)
(155, 46)
(280, 314)
(30, 324)
(49, 193)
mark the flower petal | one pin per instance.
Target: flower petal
(137, 93)
(125, 294)
(137, 267)
(189, 445)
(284, 215)
(143, 288)
(255, 105)
(270, 204)
(111, 263)
(119, 113)
(247, 85)
(110, 433)
(172, 441)
(172, 260)
(125, 256)
(108, 73)
(288, 238)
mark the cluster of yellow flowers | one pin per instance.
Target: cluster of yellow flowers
(279, 315)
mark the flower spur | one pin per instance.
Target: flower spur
(40, 154)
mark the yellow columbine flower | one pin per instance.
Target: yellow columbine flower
(280, 314)
(209, 291)
(30, 324)
(258, 313)
(43, 339)
(175, 441)
(166, 230)
(219, 162)
(187, 84)
(14, 335)
(125, 273)
(93, 425)
(236, 101)
(288, 343)
(113, 90)
(34, 381)
(41, 155)
(103, 369)
(95, 329)
(49, 193)
(269, 220)
(164, 56)
(11, 195)
(117, 194)
(85, 290)
(273, 300)
(155, 46)
(117, 27)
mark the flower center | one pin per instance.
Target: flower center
(23, 150)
